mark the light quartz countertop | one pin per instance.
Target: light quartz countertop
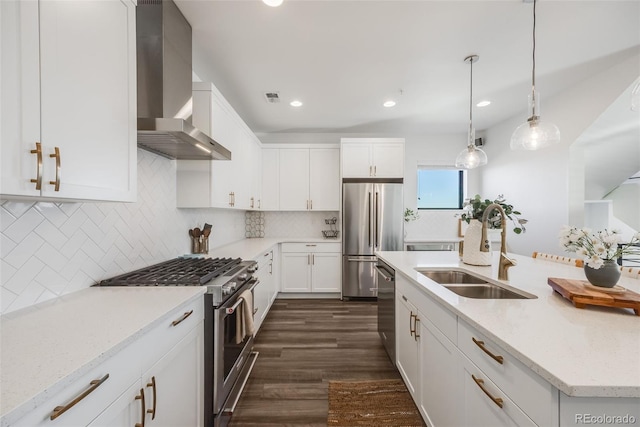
(50, 345)
(594, 351)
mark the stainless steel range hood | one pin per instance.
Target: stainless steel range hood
(164, 86)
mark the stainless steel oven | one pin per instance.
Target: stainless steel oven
(232, 357)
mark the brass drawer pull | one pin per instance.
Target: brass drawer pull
(59, 410)
(416, 332)
(412, 329)
(38, 152)
(56, 183)
(480, 344)
(498, 401)
(180, 320)
(152, 384)
(140, 397)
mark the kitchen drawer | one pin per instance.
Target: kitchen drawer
(265, 258)
(480, 410)
(537, 398)
(164, 336)
(445, 320)
(312, 247)
(123, 369)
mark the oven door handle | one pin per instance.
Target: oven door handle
(232, 309)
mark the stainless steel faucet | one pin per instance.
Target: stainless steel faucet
(505, 261)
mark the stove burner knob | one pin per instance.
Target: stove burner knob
(252, 270)
(232, 286)
(243, 276)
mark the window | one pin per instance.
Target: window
(440, 188)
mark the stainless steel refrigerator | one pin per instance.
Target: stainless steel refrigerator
(372, 220)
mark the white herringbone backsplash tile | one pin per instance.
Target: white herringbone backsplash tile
(51, 249)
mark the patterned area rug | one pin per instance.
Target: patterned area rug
(372, 403)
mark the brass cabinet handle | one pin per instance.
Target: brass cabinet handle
(480, 344)
(180, 320)
(152, 384)
(251, 203)
(311, 204)
(270, 268)
(412, 329)
(38, 152)
(144, 409)
(498, 401)
(404, 298)
(56, 155)
(255, 310)
(309, 259)
(375, 171)
(313, 259)
(311, 245)
(370, 170)
(94, 384)
(416, 332)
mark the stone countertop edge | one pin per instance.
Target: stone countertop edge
(23, 402)
(251, 248)
(477, 313)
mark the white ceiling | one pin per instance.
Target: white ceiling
(343, 59)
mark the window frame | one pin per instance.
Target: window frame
(462, 187)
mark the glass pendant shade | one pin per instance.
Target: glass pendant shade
(534, 134)
(472, 156)
(272, 3)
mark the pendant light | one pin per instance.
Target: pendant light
(472, 156)
(534, 133)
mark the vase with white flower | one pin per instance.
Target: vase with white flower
(600, 251)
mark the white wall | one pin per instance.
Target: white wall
(51, 249)
(538, 183)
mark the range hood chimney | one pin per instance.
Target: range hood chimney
(164, 86)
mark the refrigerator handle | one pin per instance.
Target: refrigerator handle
(369, 219)
(377, 220)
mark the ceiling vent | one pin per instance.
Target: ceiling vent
(272, 97)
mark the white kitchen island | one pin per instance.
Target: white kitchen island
(585, 362)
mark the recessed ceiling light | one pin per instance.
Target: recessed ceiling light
(295, 103)
(389, 103)
(483, 103)
(272, 3)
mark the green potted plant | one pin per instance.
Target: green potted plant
(410, 215)
(472, 214)
(474, 209)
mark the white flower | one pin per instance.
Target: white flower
(595, 262)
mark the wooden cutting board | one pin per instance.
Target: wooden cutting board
(581, 296)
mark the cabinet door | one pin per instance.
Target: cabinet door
(261, 295)
(324, 179)
(127, 410)
(270, 179)
(440, 388)
(294, 179)
(88, 99)
(296, 272)
(356, 160)
(20, 100)
(407, 350)
(222, 171)
(255, 174)
(388, 160)
(174, 385)
(325, 272)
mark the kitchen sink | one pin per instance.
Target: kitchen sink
(470, 285)
(451, 276)
(485, 291)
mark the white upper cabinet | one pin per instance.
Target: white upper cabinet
(220, 183)
(301, 179)
(69, 100)
(372, 157)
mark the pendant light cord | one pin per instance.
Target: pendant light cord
(470, 98)
(533, 69)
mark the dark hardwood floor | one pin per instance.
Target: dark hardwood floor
(304, 344)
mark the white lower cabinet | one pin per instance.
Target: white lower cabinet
(311, 267)
(408, 344)
(440, 399)
(266, 290)
(155, 381)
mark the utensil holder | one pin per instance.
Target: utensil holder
(204, 245)
(195, 245)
